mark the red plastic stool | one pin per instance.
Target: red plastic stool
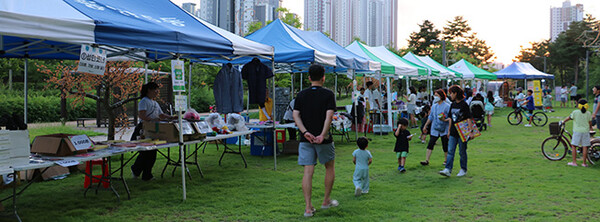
(96, 178)
(280, 133)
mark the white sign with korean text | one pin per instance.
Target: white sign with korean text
(180, 103)
(92, 60)
(81, 142)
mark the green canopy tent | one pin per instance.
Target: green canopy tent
(392, 66)
(471, 71)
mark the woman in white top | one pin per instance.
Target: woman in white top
(148, 111)
(411, 105)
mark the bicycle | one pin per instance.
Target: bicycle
(557, 146)
(516, 117)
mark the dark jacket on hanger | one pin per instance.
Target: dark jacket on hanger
(256, 74)
(228, 90)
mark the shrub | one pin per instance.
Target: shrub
(45, 108)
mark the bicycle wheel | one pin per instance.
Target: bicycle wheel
(514, 118)
(594, 153)
(554, 148)
(539, 119)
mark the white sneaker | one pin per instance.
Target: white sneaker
(357, 192)
(527, 125)
(365, 191)
(461, 173)
(446, 172)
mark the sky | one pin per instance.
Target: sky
(505, 25)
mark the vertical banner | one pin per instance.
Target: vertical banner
(537, 93)
(177, 75)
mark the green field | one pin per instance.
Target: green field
(508, 179)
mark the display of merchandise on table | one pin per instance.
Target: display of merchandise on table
(342, 121)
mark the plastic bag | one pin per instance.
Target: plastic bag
(215, 120)
(236, 122)
(191, 114)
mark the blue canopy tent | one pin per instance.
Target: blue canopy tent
(143, 30)
(522, 70)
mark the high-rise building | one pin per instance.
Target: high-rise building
(208, 11)
(317, 15)
(373, 21)
(234, 15)
(561, 18)
(225, 15)
(189, 7)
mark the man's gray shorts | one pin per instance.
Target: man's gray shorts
(308, 153)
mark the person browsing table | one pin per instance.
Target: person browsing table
(148, 111)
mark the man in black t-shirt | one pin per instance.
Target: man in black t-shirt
(313, 112)
(459, 111)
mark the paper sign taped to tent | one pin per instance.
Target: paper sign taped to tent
(92, 60)
(177, 76)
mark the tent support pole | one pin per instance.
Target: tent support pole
(301, 79)
(356, 97)
(190, 86)
(380, 104)
(273, 116)
(292, 91)
(335, 86)
(146, 72)
(25, 90)
(389, 102)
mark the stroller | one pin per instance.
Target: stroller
(477, 109)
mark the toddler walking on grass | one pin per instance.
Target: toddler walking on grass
(582, 119)
(401, 147)
(362, 158)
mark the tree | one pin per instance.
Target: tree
(356, 38)
(288, 18)
(114, 89)
(253, 27)
(566, 52)
(459, 36)
(535, 54)
(421, 41)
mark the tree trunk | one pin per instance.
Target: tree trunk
(63, 108)
(110, 113)
(576, 71)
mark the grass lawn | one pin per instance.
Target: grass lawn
(508, 179)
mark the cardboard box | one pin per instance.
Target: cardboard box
(55, 145)
(52, 172)
(170, 131)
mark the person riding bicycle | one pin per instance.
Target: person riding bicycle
(581, 136)
(528, 102)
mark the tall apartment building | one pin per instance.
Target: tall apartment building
(189, 7)
(207, 11)
(561, 18)
(373, 21)
(317, 15)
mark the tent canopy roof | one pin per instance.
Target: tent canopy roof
(414, 59)
(391, 63)
(471, 71)
(522, 70)
(444, 71)
(140, 29)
